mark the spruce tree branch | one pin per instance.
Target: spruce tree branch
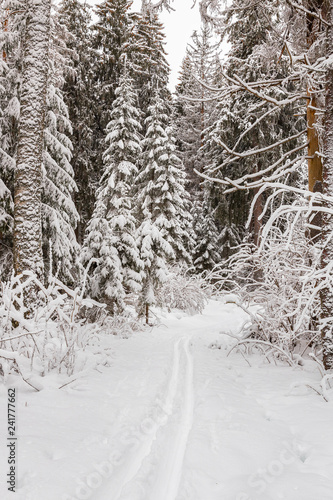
(297, 6)
(243, 134)
(149, 5)
(203, 99)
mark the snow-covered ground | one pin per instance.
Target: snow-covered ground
(173, 418)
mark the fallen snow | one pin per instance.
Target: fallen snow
(173, 418)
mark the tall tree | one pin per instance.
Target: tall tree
(314, 31)
(111, 233)
(206, 252)
(193, 110)
(79, 93)
(28, 172)
(248, 123)
(150, 66)
(111, 42)
(164, 234)
(12, 25)
(59, 215)
(327, 231)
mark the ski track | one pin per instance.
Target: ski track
(169, 482)
(178, 421)
(168, 479)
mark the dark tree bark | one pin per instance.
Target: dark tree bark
(327, 256)
(314, 161)
(28, 173)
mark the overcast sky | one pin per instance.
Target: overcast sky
(179, 26)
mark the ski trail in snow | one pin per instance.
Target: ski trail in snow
(170, 470)
(129, 470)
(184, 428)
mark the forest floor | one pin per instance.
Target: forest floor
(173, 418)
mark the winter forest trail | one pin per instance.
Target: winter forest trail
(174, 418)
(171, 417)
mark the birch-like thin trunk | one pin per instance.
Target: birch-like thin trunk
(28, 173)
(257, 221)
(327, 256)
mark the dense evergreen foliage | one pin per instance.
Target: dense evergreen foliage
(111, 233)
(142, 180)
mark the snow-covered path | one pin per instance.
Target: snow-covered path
(172, 416)
(173, 419)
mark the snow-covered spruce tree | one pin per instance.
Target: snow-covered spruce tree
(58, 212)
(79, 94)
(150, 5)
(151, 69)
(111, 38)
(173, 200)
(28, 171)
(187, 119)
(111, 233)
(206, 252)
(59, 215)
(193, 113)
(164, 234)
(12, 25)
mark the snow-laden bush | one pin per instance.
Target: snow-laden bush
(51, 337)
(184, 292)
(122, 325)
(281, 277)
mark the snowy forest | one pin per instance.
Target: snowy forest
(129, 210)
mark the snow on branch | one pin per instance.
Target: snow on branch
(259, 177)
(301, 7)
(52, 337)
(258, 151)
(237, 87)
(270, 348)
(250, 88)
(148, 5)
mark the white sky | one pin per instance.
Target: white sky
(179, 26)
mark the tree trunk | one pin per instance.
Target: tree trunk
(314, 161)
(257, 222)
(5, 29)
(147, 314)
(28, 173)
(258, 207)
(327, 256)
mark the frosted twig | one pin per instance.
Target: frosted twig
(300, 7)
(18, 336)
(258, 151)
(263, 342)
